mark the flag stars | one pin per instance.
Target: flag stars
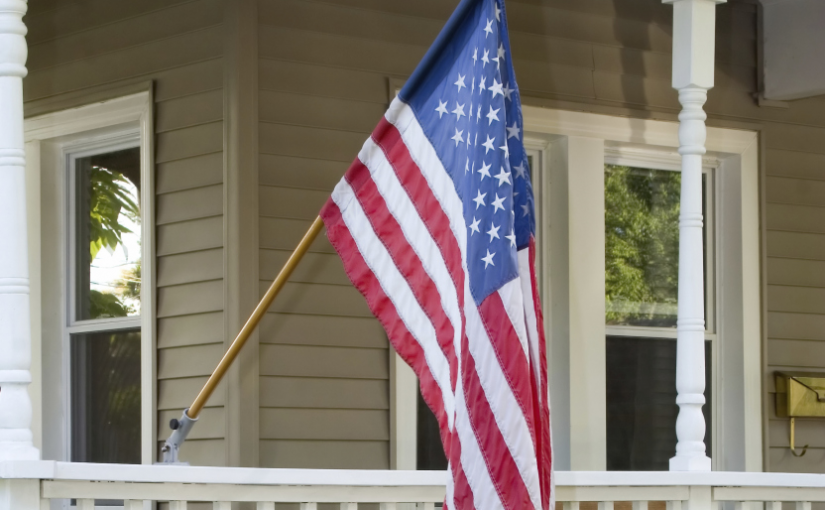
(484, 170)
(501, 51)
(479, 199)
(498, 203)
(488, 260)
(457, 137)
(489, 28)
(506, 150)
(482, 85)
(467, 164)
(512, 238)
(475, 56)
(498, 13)
(474, 226)
(503, 177)
(485, 59)
(493, 232)
(442, 108)
(495, 88)
(478, 113)
(513, 131)
(459, 112)
(488, 144)
(525, 209)
(492, 115)
(508, 92)
(521, 171)
(460, 82)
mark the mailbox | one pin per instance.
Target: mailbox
(800, 394)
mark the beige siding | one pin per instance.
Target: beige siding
(80, 51)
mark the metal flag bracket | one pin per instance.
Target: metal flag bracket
(182, 427)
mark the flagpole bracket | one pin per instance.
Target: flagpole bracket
(180, 429)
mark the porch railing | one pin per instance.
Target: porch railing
(32, 485)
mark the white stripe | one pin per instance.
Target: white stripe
(508, 414)
(416, 233)
(396, 288)
(533, 334)
(510, 295)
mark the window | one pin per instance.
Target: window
(104, 303)
(641, 274)
(90, 194)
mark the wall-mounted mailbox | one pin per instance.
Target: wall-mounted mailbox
(800, 394)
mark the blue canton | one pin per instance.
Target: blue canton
(464, 95)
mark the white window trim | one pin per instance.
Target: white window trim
(573, 287)
(45, 137)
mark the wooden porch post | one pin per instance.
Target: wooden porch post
(693, 61)
(15, 334)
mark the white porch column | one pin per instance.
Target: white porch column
(693, 60)
(15, 335)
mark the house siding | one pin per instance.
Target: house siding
(79, 51)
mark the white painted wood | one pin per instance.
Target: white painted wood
(309, 506)
(792, 46)
(571, 505)
(20, 494)
(35, 281)
(226, 505)
(606, 505)
(388, 506)
(803, 505)
(267, 505)
(693, 65)
(620, 493)
(640, 505)
(403, 414)
(177, 505)
(15, 329)
(773, 505)
(133, 504)
(674, 505)
(425, 506)
(349, 506)
(588, 404)
(89, 504)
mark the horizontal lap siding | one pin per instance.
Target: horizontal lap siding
(83, 48)
(324, 358)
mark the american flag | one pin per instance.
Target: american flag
(435, 224)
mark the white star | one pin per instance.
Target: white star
(495, 88)
(475, 138)
(526, 209)
(442, 108)
(474, 227)
(492, 115)
(459, 111)
(460, 82)
(488, 260)
(479, 199)
(475, 56)
(488, 28)
(512, 238)
(503, 177)
(484, 170)
(468, 139)
(473, 89)
(482, 84)
(520, 170)
(493, 232)
(488, 144)
(513, 131)
(506, 150)
(457, 137)
(478, 113)
(501, 51)
(467, 164)
(485, 59)
(498, 203)
(508, 92)
(498, 63)
(498, 13)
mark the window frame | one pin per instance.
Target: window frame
(50, 141)
(567, 140)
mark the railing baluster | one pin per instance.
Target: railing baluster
(605, 505)
(349, 506)
(388, 506)
(133, 504)
(571, 505)
(177, 505)
(803, 505)
(266, 505)
(309, 506)
(773, 505)
(222, 505)
(425, 506)
(674, 505)
(640, 505)
(85, 504)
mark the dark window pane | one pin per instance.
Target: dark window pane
(105, 371)
(430, 452)
(641, 403)
(107, 235)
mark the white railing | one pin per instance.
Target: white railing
(26, 485)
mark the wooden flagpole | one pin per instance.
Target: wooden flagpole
(182, 427)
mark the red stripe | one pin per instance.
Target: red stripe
(510, 355)
(406, 259)
(543, 448)
(382, 307)
(503, 470)
(429, 208)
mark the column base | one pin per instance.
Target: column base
(690, 463)
(18, 451)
